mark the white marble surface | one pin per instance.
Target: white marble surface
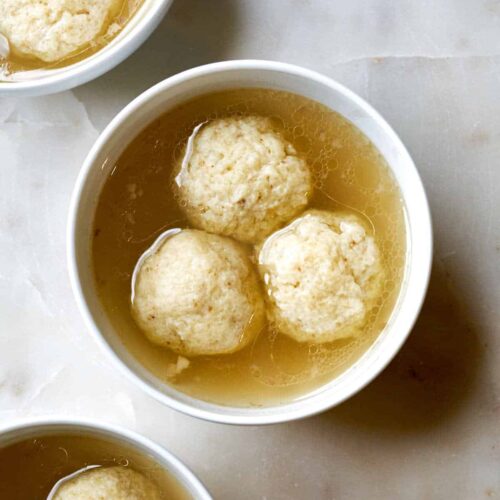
(429, 426)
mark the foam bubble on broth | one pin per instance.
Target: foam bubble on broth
(349, 174)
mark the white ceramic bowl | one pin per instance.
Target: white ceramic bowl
(234, 74)
(48, 426)
(137, 30)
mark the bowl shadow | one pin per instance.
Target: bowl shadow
(432, 376)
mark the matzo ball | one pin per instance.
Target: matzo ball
(198, 294)
(241, 178)
(53, 29)
(110, 483)
(322, 273)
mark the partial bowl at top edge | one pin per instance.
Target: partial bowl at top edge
(138, 28)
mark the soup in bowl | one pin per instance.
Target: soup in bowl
(49, 46)
(251, 242)
(58, 459)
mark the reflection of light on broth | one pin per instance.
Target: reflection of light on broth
(349, 174)
(19, 67)
(30, 468)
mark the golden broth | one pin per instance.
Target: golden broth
(137, 204)
(30, 468)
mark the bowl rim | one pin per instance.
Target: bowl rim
(97, 64)
(174, 466)
(424, 256)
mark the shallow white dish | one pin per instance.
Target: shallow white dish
(46, 426)
(136, 31)
(234, 74)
